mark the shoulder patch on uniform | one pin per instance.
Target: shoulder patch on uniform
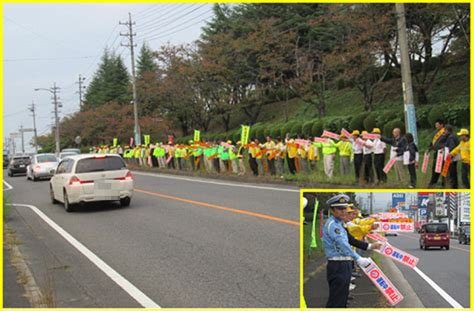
(337, 231)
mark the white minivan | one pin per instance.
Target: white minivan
(90, 178)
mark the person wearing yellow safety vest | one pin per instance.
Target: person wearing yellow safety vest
(259, 157)
(464, 149)
(179, 154)
(440, 137)
(329, 155)
(303, 156)
(233, 159)
(171, 156)
(345, 154)
(207, 153)
(136, 155)
(197, 155)
(240, 157)
(280, 156)
(292, 153)
(313, 156)
(270, 154)
(358, 227)
(253, 157)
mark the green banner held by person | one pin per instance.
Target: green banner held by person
(313, 229)
(147, 139)
(197, 135)
(115, 142)
(244, 136)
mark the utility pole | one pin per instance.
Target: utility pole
(32, 109)
(371, 203)
(54, 91)
(131, 45)
(409, 106)
(81, 89)
(22, 140)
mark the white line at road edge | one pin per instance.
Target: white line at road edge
(215, 182)
(440, 291)
(8, 185)
(134, 292)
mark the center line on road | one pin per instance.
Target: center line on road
(228, 209)
(8, 185)
(216, 182)
(440, 291)
(133, 291)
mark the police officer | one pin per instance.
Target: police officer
(339, 253)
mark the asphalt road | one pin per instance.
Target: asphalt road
(448, 269)
(184, 242)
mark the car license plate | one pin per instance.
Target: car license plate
(22, 166)
(437, 238)
(102, 185)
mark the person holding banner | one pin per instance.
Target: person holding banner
(464, 149)
(410, 158)
(396, 142)
(292, 152)
(270, 153)
(357, 144)
(280, 156)
(367, 150)
(329, 155)
(379, 157)
(240, 158)
(339, 253)
(253, 158)
(451, 143)
(437, 145)
(345, 154)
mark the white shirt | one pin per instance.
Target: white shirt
(368, 147)
(357, 145)
(379, 146)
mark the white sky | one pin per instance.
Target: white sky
(382, 198)
(40, 41)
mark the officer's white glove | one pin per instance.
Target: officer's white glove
(363, 262)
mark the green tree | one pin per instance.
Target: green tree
(111, 82)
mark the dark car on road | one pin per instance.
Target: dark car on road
(434, 234)
(465, 235)
(18, 165)
(5, 161)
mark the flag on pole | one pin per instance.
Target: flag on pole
(197, 135)
(244, 136)
(313, 229)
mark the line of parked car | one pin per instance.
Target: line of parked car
(77, 178)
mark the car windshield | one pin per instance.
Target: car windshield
(436, 228)
(468, 230)
(46, 158)
(21, 159)
(66, 154)
(100, 164)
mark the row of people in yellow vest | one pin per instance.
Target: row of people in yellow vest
(289, 155)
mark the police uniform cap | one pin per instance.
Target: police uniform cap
(339, 201)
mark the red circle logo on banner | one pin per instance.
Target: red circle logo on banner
(374, 274)
(388, 251)
(386, 226)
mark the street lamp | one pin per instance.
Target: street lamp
(54, 91)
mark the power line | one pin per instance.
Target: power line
(47, 59)
(176, 31)
(165, 15)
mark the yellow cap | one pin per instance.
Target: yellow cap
(239, 142)
(355, 132)
(463, 132)
(342, 136)
(364, 132)
(376, 130)
(229, 142)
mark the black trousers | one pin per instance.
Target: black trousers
(453, 175)
(253, 165)
(434, 175)
(412, 171)
(465, 168)
(379, 163)
(339, 278)
(271, 166)
(368, 168)
(358, 158)
(215, 163)
(291, 165)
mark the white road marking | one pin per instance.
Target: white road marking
(440, 291)
(133, 291)
(215, 182)
(8, 185)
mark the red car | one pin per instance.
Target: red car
(434, 234)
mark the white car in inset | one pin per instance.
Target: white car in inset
(41, 166)
(90, 178)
